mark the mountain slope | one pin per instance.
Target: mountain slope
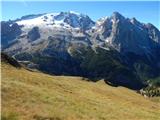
(30, 95)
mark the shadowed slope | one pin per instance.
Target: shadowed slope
(9, 60)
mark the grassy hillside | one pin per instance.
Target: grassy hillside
(28, 95)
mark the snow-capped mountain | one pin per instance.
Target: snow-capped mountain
(68, 20)
(40, 29)
(54, 42)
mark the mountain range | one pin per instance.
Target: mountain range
(120, 50)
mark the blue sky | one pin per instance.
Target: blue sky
(147, 12)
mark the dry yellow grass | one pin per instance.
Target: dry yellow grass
(30, 95)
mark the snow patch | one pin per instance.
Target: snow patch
(73, 12)
(54, 19)
(105, 48)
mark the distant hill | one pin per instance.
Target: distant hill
(28, 95)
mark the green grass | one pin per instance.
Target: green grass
(30, 95)
(9, 116)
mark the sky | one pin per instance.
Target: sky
(144, 11)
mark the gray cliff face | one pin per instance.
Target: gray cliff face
(33, 34)
(126, 35)
(9, 33)
(153, 33)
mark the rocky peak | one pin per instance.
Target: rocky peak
(134, 20)
(78, 20)
(33, 34)
(117, 16)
